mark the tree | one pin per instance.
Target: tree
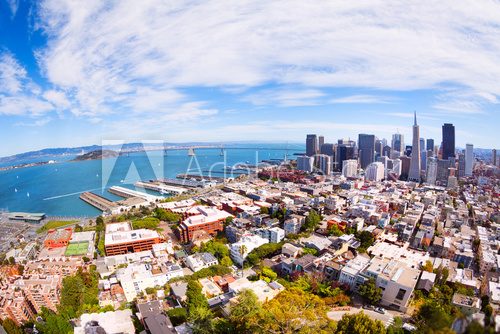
(475, 328)
(244, 314)
(226, 261)
(78, 228)
(428, 266)
(335, 230)
(312, 221)
(432, 317)
(295, 311)
(366, 239)
(359, 323)
(165, 215)
(396, 327)
(12, 261)
(177, 315)
(370, 292)
(216, 248)
(264, 210)
(11, 327)
(201, 318)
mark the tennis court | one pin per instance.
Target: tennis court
(79, 248)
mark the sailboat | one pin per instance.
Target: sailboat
(191, 152)
(15, 190)
(27, 194)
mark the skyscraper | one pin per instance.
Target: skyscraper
(366, 149)
(494, 156)
(469, 159)
(415, 163)
(431, 171)
(325, 164)
(375, 171)
(321, 141)
(327, 149)
(430, 145)
(305, 163)
(398, 143)
(344, 152)
(448, 141)
(311, 145)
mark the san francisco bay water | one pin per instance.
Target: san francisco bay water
(54, 189)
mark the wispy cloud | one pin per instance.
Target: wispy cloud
(36, 123)
(285, 97)
(369, 99)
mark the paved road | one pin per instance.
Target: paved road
(387, 319)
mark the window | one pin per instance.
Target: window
(401, 294)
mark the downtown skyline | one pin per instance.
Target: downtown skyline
(72, 76)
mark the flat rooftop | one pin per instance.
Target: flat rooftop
(121, 237)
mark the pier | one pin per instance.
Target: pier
(128, 193)
(99, 202)
(161, 188)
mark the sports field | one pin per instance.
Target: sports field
(77, 249)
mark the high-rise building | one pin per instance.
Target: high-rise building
(405, 167)
(379, 146)
(350, 168)
(344, 152)
(430, 145)
(448, 141)
(415, 163)
(305, 163)
(431, 171)
(398, 143)
(422, 144)
(328, 149)
(443, 170)
(469, 159)
(386, 151)
(375, 171)
(366, 150)
(321, 141)
(311, 145)
(494, 156)
(325, 164)
(461, 164)
(423, 157)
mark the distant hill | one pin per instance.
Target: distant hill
(97, 154)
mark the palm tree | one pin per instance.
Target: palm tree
(243, 250)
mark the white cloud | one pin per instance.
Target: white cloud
(57, 98)
(285, 98)
(370, 99)
(36, 123)
(12, 74)
(106, 53)
(13, 6)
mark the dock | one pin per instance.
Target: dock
(161, 188)
(128, 193)
(199, 177)
(183, 183)
(99, 202)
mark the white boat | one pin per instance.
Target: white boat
(15, 190)
(27, 194)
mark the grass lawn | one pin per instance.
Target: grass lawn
(77, 249)
(53, 224)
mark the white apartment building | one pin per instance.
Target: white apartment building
(305, 163)
(350, 168)
(349, 274)
(136, 277)
(396, 279)
(247, 243)
(198, 261)
(375, 171)
(292, 226)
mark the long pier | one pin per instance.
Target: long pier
(99, 202)
(128, 193)
(161, 188)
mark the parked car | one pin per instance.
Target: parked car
(380, 310)
(368, 307)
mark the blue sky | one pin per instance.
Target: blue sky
(73, 74)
